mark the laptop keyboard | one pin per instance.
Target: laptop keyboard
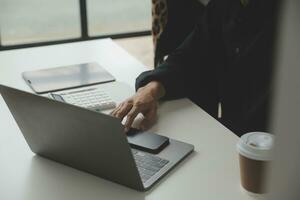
(148, 165)
(93, 99)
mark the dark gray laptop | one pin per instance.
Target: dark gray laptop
(89, 141)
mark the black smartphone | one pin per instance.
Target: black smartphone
(146, 141)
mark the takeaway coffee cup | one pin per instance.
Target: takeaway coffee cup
(255, 154)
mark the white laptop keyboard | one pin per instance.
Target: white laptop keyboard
(92, 98)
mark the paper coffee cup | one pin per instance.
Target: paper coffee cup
(255, 154)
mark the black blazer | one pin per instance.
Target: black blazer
(181, 20)
(227, 59)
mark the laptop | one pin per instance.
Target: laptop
(89, 141)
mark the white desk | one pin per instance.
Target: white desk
(210, 173)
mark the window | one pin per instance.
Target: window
(34, 21)
(107, 17)
(30, 21)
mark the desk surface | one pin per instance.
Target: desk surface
(211, 172)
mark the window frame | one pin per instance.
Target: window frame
(84, 33)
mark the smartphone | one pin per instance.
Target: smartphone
(146, 141)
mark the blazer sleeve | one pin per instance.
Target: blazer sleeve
(189, 61)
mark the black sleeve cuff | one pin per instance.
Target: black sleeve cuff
(170, 79)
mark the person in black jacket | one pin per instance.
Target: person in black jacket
(226, 59)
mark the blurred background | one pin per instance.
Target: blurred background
(37, 21)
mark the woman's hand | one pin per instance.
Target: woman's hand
(145, 102)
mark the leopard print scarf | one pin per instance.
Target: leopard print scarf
(159, 19)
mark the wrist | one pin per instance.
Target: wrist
(156, 89)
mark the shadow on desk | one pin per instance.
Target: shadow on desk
(50, 180)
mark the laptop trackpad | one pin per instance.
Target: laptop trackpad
(145, 141)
